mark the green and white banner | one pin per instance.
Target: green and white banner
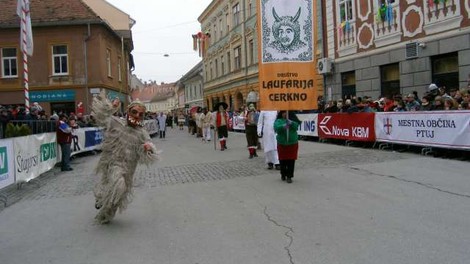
(7, 167)
(34, 155)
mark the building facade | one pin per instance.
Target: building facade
(383, 48)
(191, 88)
(231, 59)
(76, 54)
(157, 97)
(136, 83)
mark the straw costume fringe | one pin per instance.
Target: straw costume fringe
(122, 150)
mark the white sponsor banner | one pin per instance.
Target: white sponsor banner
(151, 126)
(7, 166)
(34, 155)
(85, 139)
(445, 129)
(309, 125)
(238, 123)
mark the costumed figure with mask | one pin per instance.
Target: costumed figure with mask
(126, 143)
(221, 122)
(268, 138)
(251, 123)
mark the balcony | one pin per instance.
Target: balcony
(387, 28)
(441, 16)
(347, 42)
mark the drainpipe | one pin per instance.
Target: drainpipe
(244, 45)
(120, 66)
(321, 20)
(85, 55)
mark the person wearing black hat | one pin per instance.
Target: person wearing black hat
(221, 121)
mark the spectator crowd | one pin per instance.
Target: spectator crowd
(435, 99)
(37, 119)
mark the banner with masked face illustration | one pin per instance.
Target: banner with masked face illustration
(287, 71)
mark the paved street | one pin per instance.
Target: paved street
(203, 206)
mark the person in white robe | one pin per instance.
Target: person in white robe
(268, 138)
(162, 124)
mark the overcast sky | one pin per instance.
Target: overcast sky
(163, 27)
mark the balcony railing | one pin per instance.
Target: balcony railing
(347, 41)
(35, 126)
(441, 16)
(387, 29)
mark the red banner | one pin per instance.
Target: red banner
(354, 126)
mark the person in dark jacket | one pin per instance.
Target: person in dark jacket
(426, 105)
(4, 119)
(64, 139)
(287, 143)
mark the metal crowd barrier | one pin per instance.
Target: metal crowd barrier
(37, 126)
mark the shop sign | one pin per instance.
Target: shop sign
(52, 96)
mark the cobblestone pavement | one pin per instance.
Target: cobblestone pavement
(55, 184)
(200, 205)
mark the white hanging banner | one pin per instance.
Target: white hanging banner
(85, 139)
(7, 166)
(445, 129)
(34, 155)
(238, 122)
(309, 126)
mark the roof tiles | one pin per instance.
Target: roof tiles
(48, 11)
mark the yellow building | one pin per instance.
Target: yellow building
(230, 59)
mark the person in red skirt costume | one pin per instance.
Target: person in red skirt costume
(287, 143)
(251, 128)
(221, 122)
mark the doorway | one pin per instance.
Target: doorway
(64, 107)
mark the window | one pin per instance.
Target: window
(237, 58)
(251, 55)
(445, 70)
(348, 84)
(216, 68)
(215, 32)
(60, 60)
(381, 2)
(119, 69)
(108, 61)
(229, 62)
(227, 22)
(221, 26)
(236, 14)
(250, 6)
(222, 65)
(345, 10)
(390, 80)
(210, 71)
(9, 63)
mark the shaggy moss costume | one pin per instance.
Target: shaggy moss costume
(123, 148)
